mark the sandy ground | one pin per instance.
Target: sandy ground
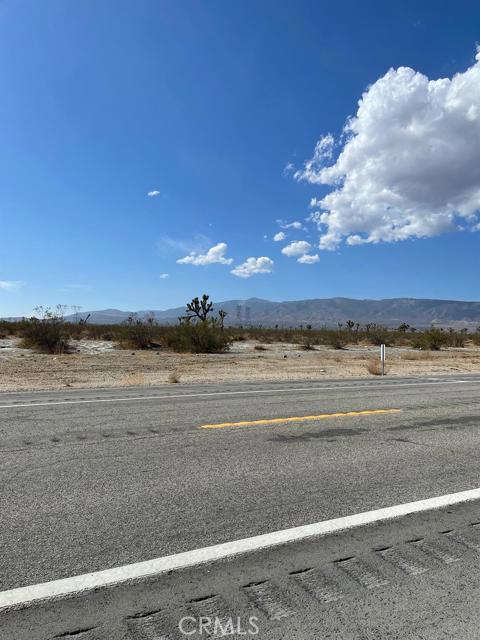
(99, 364)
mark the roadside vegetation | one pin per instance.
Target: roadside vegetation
(46, 332)
(204, 329)
(374, 367)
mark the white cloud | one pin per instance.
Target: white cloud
(298, 248)
(10, 285)
(162, 276)
(214, 255)
(153, 194)
(252, 266)
(309, 259)
(408, 164)
(323, 151)
(290, 225)
(278, 237)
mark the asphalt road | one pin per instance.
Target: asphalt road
(97, 479)
(416, 578)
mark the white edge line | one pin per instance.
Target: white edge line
(234, 393)
(24, 596)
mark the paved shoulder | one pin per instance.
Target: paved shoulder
(416, 577)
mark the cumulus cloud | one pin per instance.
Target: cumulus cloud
(322, 153)
(251, 266)
(153, 194)
(298, 248)
(162, 276)
(407, 165)
(278, 237)
(309, 259)
(215, 254)
(10, 285)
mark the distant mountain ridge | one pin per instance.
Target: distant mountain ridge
(319, 312)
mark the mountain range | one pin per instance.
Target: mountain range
(319, 312)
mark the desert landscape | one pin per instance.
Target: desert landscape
(98, 364)
(54, 351)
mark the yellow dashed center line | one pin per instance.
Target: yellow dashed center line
(321, 416)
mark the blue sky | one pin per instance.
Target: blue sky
(218, 106)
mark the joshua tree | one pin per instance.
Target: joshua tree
(83, 321)
(222, 314)
(200, 308)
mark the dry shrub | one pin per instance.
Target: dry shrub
(136, 333)
(306, 343)
(431, 340)
(337, 339)
(198, 337)
(173, 377)
(374, 367)
(48, 333)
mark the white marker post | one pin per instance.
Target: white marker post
(382, 358)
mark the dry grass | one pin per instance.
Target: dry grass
(173, 377)
(135, 380)
(417, 355)
(374, 367)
